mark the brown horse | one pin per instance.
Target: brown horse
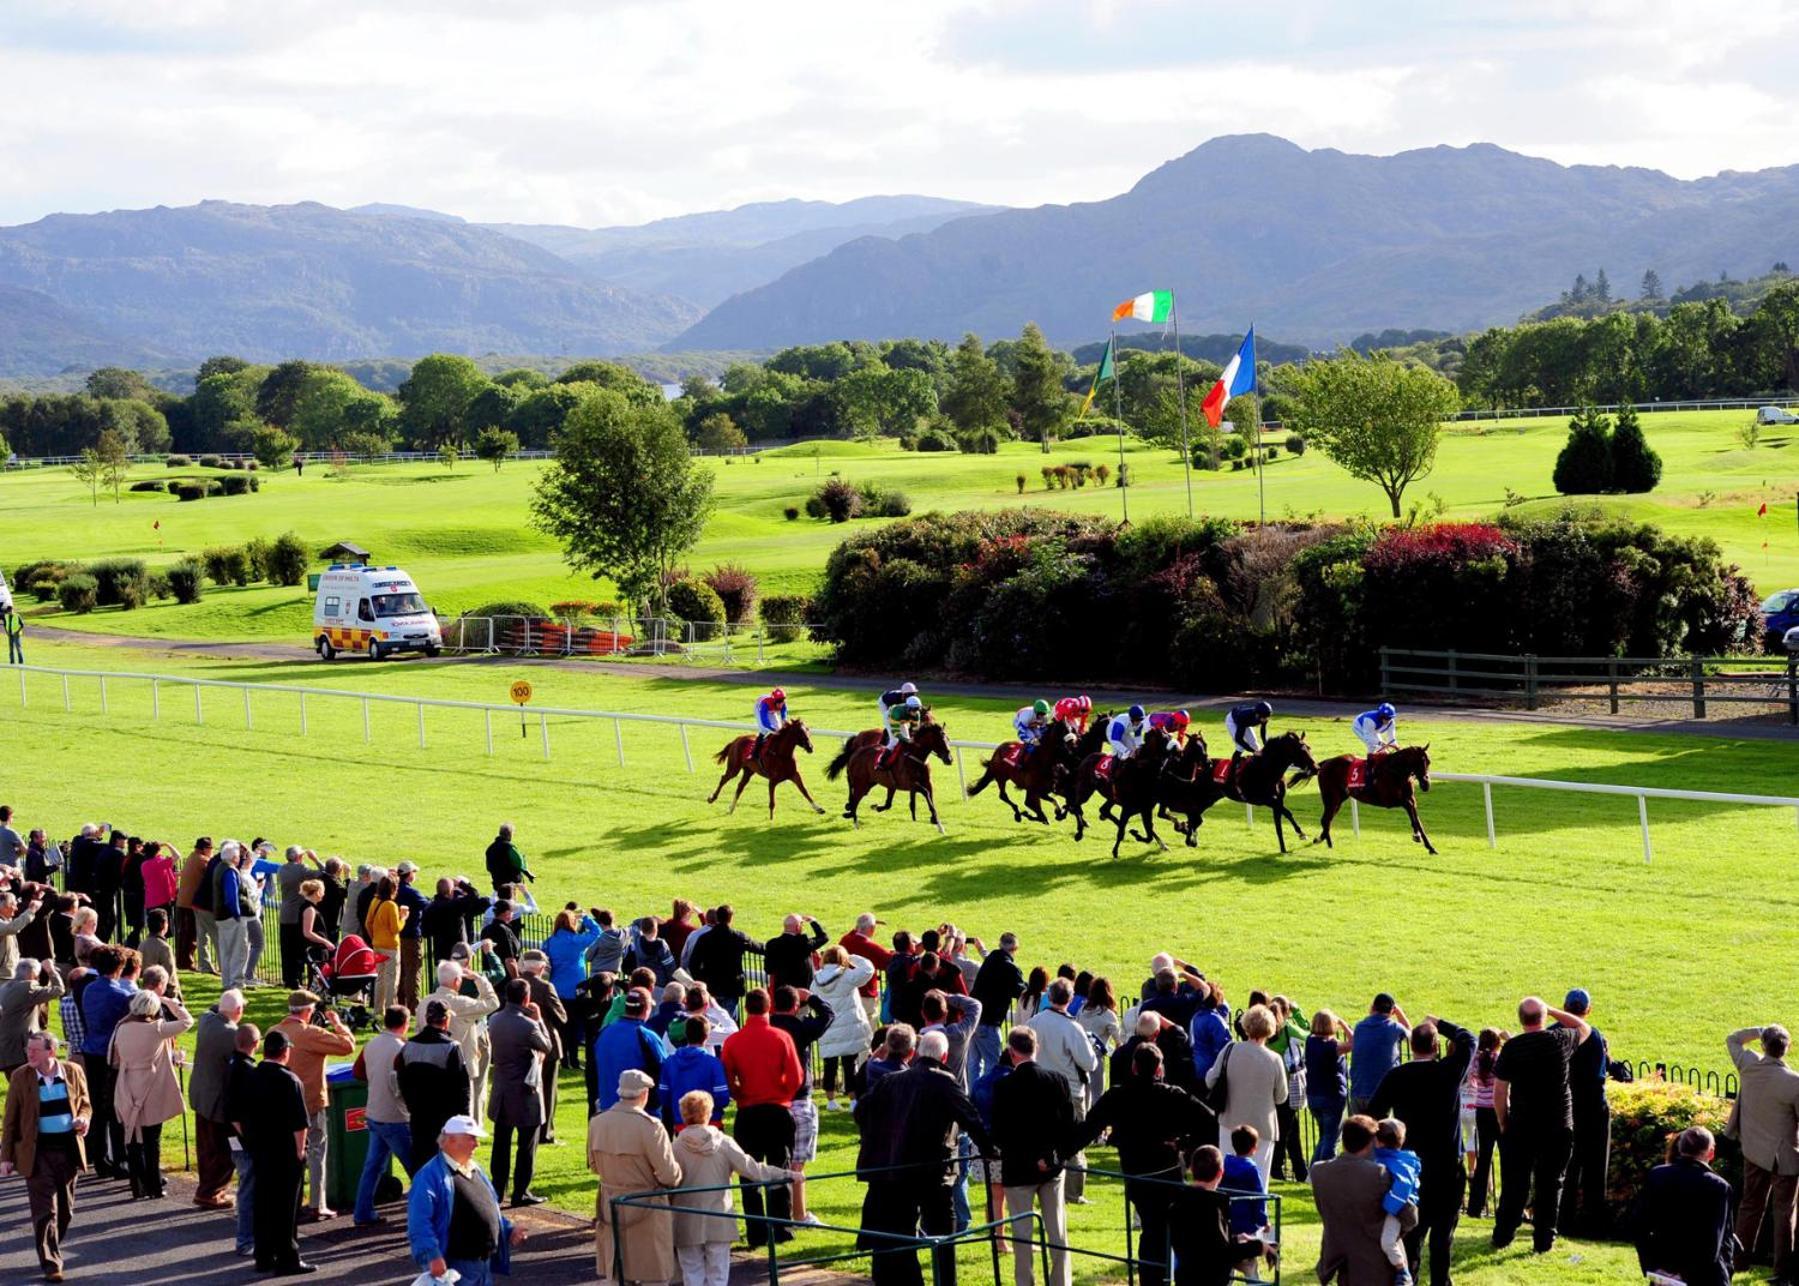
(1127, 786)
(1035, 772)
(874, 737)
(777, 763)
(1387, 784)
(1259, 779)
(909, 770)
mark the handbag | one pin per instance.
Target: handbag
(1218, 1095)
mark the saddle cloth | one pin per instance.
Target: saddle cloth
(1010, 755)
(1221, 771)
(1358, 774)
(1102, 771)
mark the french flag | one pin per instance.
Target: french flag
(1239, 377)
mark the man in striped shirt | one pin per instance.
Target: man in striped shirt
(47, 1117)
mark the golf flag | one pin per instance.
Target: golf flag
(1104, 373)
(1153, 306)
(1763, 511)
(1239, 377)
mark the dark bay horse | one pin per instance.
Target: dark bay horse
(1259, 779)
(1387, 784)
(1128, 788)
(1175, 795)
(909, 770)
(777, 763)
(1036, 773)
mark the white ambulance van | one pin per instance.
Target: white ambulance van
(377, 610)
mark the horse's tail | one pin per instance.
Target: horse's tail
(985, 777)
(834, 769)
(724, 755)
(1300, 777)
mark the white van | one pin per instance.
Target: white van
(1776, 415)
(5, 593)
(377, 610)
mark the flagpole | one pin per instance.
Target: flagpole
(1261, 465)
(1180, 385)
(1124, 491)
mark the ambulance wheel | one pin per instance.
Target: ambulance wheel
(377, 652)
(326, 651)
(433, 651)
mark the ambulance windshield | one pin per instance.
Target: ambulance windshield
(398, 605)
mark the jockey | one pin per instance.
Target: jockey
(1125, 732)
(894, 697)
(900, 719)
(1172, 722)
(1243, 724)
(771, 716)
(1378, 728)
(1030, 722)
(1075, 711)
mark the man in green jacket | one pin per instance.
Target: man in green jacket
(505, 864)
(15, 636)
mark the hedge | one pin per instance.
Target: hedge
(1646, 1116)
(786, 616)
(120, 582)
(227, 565)
(735, 586)
(696, 601)
(187, 581)
(78, 593)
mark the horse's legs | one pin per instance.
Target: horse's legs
(857, 791)
(1411, 809)
(801, 783)
(1033, 804)
(912, 802)
(742, 783)
(930, 802)
(1007, 800)
(771, 798)
(881, 808)
(1148, 834)
(731, 770)
(1331, 805)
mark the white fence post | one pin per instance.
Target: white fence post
(21, 689)
(102, 694)
(961, 775)
(155, 698)
(302, 714)
(1249, 815)
(249, 723)
(199, 710)
(365, 721)
(618, 740)
(1486, 790)
(65, 694)
(543, 726)
(1355, 817)
(1643, 819)
(487, 718)
(686, 750)
(421, 709)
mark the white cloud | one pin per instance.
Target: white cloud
(630, 109)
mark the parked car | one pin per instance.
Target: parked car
(1775, 415)
(1780, 613)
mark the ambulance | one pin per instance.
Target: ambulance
(377, 610)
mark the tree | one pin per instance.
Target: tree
(1652, 286)
(1636, 467)
(279, 393)
(620, 379)
(1377, 418)
(117, 382)
(623, 494)
(220, 399)
(977, 393)
(435, 399)
(539, 417)
(273, 447)
(496, 445)
(114, 452)
(448, 454)
(719, 432)
(1602, 288)
(878, 400)
(1584, 466)
(225, 364)
(321, 406)
(1043, 405)
(493, 406)
(89, 470)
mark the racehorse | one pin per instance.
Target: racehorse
(777, 763)
(1259, 779)
(1174, 789)
(1127, 785)
(909, 770)
(1387, 783)
(1036, 772)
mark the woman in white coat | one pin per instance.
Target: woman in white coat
(1255, 1081)
(845, 1043)
(708, 1158)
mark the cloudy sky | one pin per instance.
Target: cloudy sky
(617, 111)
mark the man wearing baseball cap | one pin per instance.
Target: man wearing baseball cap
(1584, 1205)
(406, 893)
(630, 1152)
(453, 1217)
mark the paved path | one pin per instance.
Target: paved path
(147, 1243)
(1768, 728)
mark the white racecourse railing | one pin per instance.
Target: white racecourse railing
(543, 714)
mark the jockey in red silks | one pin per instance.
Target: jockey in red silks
(1171, 722)
(1075, 711)
(771, 716)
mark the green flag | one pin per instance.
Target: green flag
(1104, 373)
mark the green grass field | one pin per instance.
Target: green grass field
(1676, 953)
(463, 534)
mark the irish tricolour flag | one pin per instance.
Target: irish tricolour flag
(1153, 306)
(1239, 377)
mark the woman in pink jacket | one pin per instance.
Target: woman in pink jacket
(160, 878)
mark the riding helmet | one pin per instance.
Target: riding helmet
(1085, 703)
(908, 689)
(1182, 718)
(777, 695)
(913, 703)
(1040, 707)
(1385, 710)
(1136, 713)
(1264, 710)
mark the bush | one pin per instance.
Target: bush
(78, 593)
(696, 601)
(837, 500)
(1102, 472)
(179, 462)
(786, 616)
(1234, 447)
(117, 579)
(568, 608)
(1646, 1115)
(1021, 480)
(1271, 453)
(256, 553)
(1296, 444)
(240, 486)
(227, 565)
(150, 484)
(1236, 466)
(978, 441)
(160, 586)
(211, 462)
(510, 607)
(1584, 466)
(934, 440)
(792, 513)
(285, 563)
(1636, 467)
(878, 502)
(736, 590)
(187, 581)
(197, 489)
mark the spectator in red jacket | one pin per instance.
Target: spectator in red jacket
(860, 942)
(763, 1070)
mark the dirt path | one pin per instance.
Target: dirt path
(1769, 728)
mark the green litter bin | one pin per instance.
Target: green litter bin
(312, 582)
(346, 1135)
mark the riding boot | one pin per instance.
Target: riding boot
(756, 750)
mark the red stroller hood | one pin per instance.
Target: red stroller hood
(353, 959)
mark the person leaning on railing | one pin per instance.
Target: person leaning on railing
(708, 1158)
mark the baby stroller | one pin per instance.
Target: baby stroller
(346, 981)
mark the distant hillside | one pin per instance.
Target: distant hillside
(1318, 246)
(1205, 348)
(271, 282)
(39, 336)
(706, 258)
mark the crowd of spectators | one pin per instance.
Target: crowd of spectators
(962, 1069)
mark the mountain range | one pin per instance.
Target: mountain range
(1310, 245)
